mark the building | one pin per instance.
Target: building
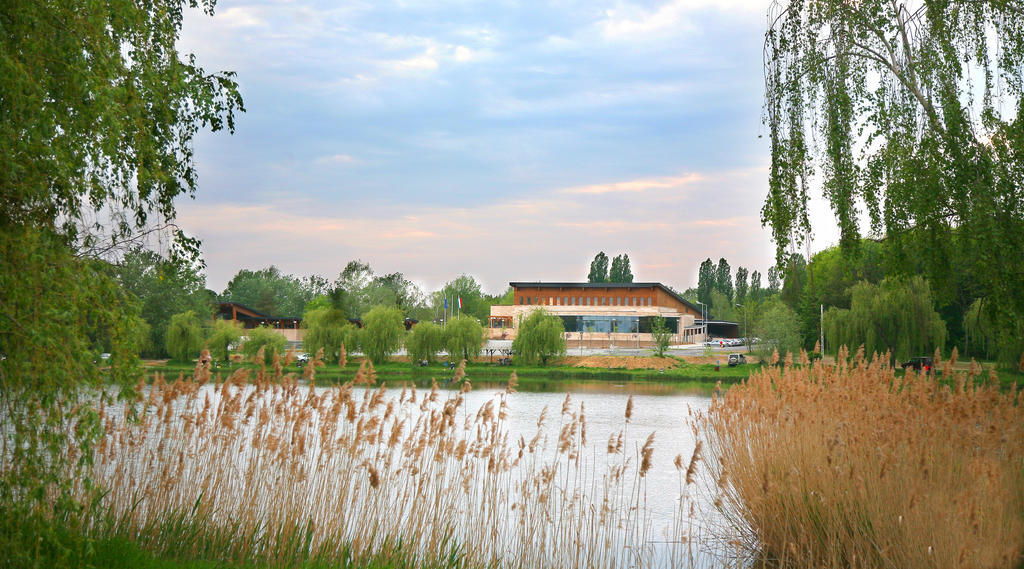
(607, 314)
(289, 327)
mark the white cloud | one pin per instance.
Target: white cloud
(628, 22)
(641, 185)
(337, 159)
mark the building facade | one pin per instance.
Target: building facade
(601, 314)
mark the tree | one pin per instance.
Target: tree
(723, 279)
(354, 280)
(598, 269)
(225, 333)
(774, 278)
(99, 111)
(164, 287)
(464, 336)
(268, 291)
(778, 329)
(919, 116)
(661, 334)
(741, 285)
(620, 271)
(382, 333)
(896, 316)
(706, 281)
(540, 338)
(184, 337)
(464, 287)
(327, 329)
(424, 341)
(266, 338)
(756, 292)
(97, 114)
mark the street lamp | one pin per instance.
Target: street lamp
(746, 340)
(703, 320)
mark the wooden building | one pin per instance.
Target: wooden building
(603, 314)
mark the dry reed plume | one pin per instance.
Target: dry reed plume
(348, 470)
(851, 466)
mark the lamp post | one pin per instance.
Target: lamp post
(703, 321)
(745, 339)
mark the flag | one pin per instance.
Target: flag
(460, 303)
(446, 303)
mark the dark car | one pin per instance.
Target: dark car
(919, 363)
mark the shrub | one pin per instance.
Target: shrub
(541, 337)
(661, 334)
(464, 336)
(382, 332)
(424, 342)
(849, 465)
(267, 338)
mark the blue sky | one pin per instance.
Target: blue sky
(510, 141)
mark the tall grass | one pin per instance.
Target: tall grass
(263, 469)
(852, 466)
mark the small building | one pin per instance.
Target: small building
(287, 326)
(603, 314)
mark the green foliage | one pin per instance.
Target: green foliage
(328, 329)
(184, 336)
(723, 280)
(778, 328)
(895, 316)
(723, 309)
(598, 269)
(474, 302)
(620, 271)
(225, 333)
(424, 341)
(741, 285)
(268, 291)
(706, 282)
(463, 337)
(920, 121)
(99, 111)
(541, 337)
(164, 287)
(661, 334)
(53, 309)
(266, 338)
(382, 333)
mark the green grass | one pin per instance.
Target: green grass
(686, 373)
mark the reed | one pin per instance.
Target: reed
(263, 469)
(852, 466)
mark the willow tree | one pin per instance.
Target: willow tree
(910, 112)
(896, 316)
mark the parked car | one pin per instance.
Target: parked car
(919, 363)
(737, 359)
(301, 358)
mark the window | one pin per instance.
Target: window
(563, 301)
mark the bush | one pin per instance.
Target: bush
(818, 466)
(382, 333)
(541, 337)
(661, 334)
(424, 342)
(464, 336)
(267, 338)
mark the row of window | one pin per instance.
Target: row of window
(587, 300)
(616, 324)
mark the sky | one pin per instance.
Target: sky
(510, 141)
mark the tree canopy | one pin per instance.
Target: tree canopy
(918, 113)
(620, 271)
(382, 333)
(540, 338)
(98, 112)
(598, 269)
(268, 291)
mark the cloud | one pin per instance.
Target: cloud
(634, 186)
(337, 159)
(629, 22)
(531, 237)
